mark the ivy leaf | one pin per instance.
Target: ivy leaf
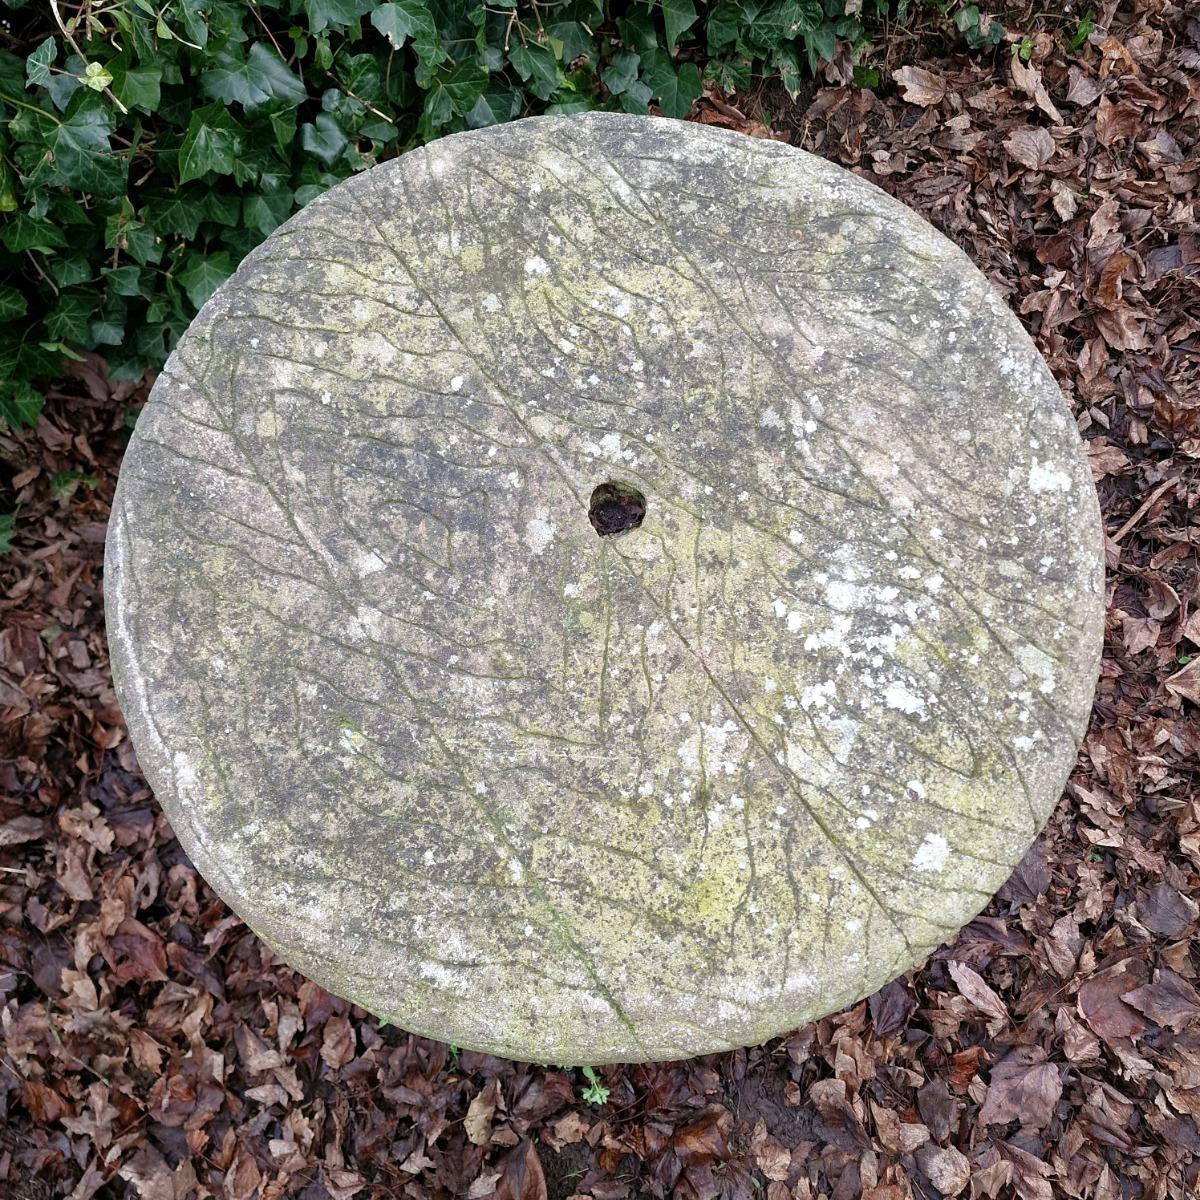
(107, 327)
(678, 17)
(205, 273)
(336, 13)
(430, 56)
(636, 98)
(307, 192)
(722, 27)
(675, 89)
(80, 155)
(788, 66)
(8, 521)
(124, 281)
(174, 212)
(322, 52)
(68, 321)
(96, 76)
(12, 303)
(138, 87)
(770, 24)
(8, 195)
(494, 107)
(866, 77)
(19, 404)
(66, 210)
(572, 35)
(966, 17)
(821, 45)
(63, 86)
(405, 19)
(12, 73)
(283, 126)
(63, 483)
(267, 210)
(23, 358)
(378, 129)
(251, 81)
(23, 232)
(221, 207)
(455, 92)
(808, 18)
(108, 330)
(622, 72)
(195, 21)
(637, 31)
(729, 74)
(212, 143)
(37, 65)
(66, 272)
(324, 138)
(570, 27)
(566, 104)
(359, 74)
(537, 67)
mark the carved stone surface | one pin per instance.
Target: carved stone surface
(573, 797)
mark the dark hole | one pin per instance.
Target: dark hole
(616, 507)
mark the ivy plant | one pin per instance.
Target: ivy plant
(147, 145)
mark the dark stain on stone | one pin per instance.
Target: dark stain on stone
(616, 507)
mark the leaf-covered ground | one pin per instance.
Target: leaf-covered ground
(150, 1046)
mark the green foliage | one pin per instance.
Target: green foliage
(977, 29)
(144, 155)
(1083, 32)
(63, 483)
(595, 1092)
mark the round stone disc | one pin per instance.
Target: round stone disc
(646, 776)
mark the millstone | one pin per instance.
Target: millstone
(604, 588)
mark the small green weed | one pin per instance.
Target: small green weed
(978, 30)
(595, 1092)
(1083, 32)
(63, 483)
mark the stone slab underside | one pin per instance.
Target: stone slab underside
(573, 798)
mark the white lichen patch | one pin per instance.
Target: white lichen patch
(1046, 477)
(899, 697)
(369, 562)
(932, 853)
(539, 531)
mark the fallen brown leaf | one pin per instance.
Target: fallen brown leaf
(1168, 1000)
(1023, 1087)
(920, 86)
(1032, 148)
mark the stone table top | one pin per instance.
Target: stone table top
(603, 588)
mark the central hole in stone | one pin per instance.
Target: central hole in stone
(616, 507)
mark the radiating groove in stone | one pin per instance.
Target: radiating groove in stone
(577, 798)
